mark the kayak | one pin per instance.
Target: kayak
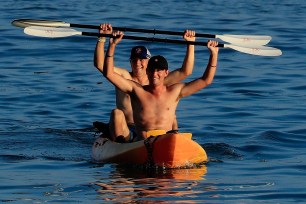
(171, 150)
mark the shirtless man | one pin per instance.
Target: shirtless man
(154, 105)
(121, 120)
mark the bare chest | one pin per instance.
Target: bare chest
(156, 103)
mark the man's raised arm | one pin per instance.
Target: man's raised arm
(209, 74)
(99, 50)
(187, 67)
(120, 82)
(99, 54)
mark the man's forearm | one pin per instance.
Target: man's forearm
(188, 63)
(109, 60)
(99, 55)
(210, 71)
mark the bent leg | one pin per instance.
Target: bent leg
(118, 126)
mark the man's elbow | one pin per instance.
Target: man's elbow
(186, 73)
(209, 82)
(98, 65)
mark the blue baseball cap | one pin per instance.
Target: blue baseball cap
(140, 52)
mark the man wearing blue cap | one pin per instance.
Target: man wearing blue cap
(121, 122)
(154, 104)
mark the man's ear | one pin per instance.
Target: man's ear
(167, 72)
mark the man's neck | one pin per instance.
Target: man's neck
(140, 78)
(157, 89)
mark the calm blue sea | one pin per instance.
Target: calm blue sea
(251, 121)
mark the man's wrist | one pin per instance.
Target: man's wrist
(102, 39)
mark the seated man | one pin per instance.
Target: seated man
(121, 124)
(154, 104)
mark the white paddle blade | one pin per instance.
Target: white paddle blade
(256, 50)
(50, 32)
(248, 40)
(23, 23)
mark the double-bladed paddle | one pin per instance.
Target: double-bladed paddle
(248, 40)
(53, 32)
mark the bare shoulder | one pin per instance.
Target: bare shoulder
(175, 87)
(123, 72)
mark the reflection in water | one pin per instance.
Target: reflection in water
(161, 185)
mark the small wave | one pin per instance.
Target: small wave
(219, 151)
(15, 158)
(284, 139)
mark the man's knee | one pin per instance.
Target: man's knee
(117, 113)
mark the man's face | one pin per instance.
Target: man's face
(139, 65)
(157, 76)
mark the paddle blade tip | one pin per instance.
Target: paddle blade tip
(18, 23)
(50, 32)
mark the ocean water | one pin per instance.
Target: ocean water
(251, 120)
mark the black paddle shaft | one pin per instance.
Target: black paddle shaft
(151, 39)
(152, 31)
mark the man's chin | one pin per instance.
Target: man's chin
(139, 69)
(155, 81)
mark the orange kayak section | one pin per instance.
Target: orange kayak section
(173, 150)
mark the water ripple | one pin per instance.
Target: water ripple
(251, 120)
